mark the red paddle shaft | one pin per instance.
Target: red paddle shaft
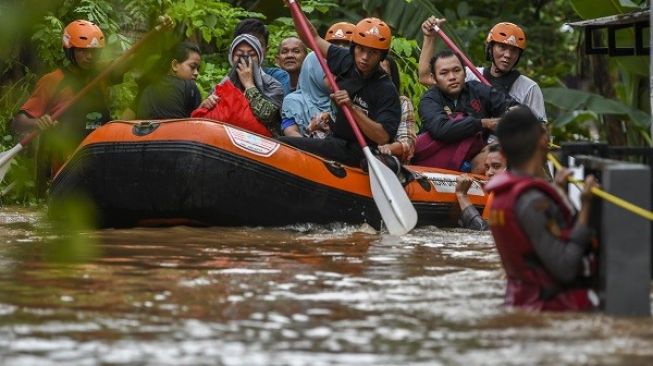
(460, 53)
(306, 32)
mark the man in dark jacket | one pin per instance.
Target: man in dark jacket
(459, 113)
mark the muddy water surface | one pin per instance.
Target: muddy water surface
(303, 295)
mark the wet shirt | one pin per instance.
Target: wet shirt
(452, 120)
(471, 219)
(542, 221)
(170, 97)
(376, 95)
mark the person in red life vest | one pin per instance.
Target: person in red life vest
(494, 162)
(458, 117)
(544, 249)
(247, 97)
(82, 44)
(364, 87)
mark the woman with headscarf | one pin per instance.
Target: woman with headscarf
(247, 97)
(308, 110)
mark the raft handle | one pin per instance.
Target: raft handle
(335, 169)
(145, 128)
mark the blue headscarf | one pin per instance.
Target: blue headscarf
(311, 97)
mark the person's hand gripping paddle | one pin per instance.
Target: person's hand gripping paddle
(391, 199)
(7, 156)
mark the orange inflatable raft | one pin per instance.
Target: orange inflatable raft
(196, 171)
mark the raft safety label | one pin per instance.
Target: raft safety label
(446, 183)
(249, 142)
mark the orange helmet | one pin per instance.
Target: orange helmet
(507, 33)
(373, 33)
(340, 32)
(82, 34)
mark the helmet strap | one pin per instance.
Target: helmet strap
(70, 55)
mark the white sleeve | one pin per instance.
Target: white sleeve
(470, 76)
(535, 101)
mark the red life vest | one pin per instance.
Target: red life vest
(530, 285)
(446, 155)
(233, 108)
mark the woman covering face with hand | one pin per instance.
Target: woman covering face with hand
(262, 93)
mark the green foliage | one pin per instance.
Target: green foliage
(322, 6)
(75, 216)
(575, 107)
(405, 53)
(214, 68)
(210, 19)
(48, 33)
(19, 183)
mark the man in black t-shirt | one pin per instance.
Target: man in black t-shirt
(364, 87)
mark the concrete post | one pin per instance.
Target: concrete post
(625, 249)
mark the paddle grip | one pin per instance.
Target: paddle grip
(306, 32)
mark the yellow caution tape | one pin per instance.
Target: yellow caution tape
(607, 196)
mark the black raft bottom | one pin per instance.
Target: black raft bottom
(191, 183)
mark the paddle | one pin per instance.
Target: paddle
(7, 156)
(396, 209)
(452, 46)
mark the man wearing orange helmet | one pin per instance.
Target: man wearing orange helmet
(82, 43)
(365, 87)
(340, 34)
(504, 46)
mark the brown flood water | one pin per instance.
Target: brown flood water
(302, 295)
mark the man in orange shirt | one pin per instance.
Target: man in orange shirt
(82, 43)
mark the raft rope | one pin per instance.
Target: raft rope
(605, 195)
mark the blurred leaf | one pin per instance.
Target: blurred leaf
(589, 9)
(575, 100)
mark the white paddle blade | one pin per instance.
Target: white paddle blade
(391, 199)
(5, 159)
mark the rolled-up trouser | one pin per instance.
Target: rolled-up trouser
(332, 148)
